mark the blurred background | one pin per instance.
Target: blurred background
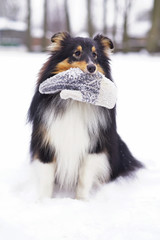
(133, 25)
(132, 207)
(26, 27)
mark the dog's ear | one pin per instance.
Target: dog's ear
(57, 40)
(105, 43)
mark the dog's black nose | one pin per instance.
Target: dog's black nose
(91, 68)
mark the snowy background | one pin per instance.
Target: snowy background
(121, 210)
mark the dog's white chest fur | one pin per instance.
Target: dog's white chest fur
(69, 135)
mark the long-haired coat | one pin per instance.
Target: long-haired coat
(76, 144)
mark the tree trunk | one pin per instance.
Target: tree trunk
(125, 25)
(114, 29)
(28, 33)
(105, 17)
(44, 38)
(68, 27)
(125, 33)
(90, 24)
(153, 43)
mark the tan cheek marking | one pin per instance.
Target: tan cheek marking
(81, 64)
(100, 69)
(65, 65)
(62, 66)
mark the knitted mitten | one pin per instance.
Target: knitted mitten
(85, 87)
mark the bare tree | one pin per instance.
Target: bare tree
(128, 4)
(56, 16)
(9, 9)
(28, 33)
(105, 17)
(114, 28)
(44, 38)
(3, 8)
(90, 24)
(68, 27)
(153, 43)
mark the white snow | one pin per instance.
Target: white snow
(121, 210)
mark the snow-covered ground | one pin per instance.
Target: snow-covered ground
(122, 210)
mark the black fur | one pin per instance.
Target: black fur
(121, 160)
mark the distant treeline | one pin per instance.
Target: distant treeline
(57, 17)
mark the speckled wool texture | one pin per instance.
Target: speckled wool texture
(85, 87)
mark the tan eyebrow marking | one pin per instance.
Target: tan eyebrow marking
(93, 49)
(79, 48)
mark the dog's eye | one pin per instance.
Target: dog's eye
(77, 53)
(94, 54)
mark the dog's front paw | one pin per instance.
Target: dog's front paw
(81, 194)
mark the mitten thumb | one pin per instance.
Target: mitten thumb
(73, 94)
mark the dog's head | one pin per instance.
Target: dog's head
(90, 55)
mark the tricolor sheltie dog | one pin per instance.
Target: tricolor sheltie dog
(75, 144)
